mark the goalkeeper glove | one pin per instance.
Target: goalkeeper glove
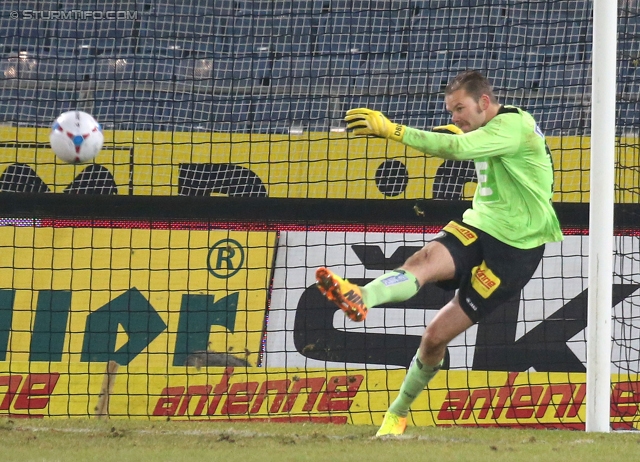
(365, 121)
(451, 129)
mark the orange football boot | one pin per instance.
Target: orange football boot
(347, 296)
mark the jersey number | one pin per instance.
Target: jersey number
(486, 183)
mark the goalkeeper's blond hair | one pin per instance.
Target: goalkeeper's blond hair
(474, 83)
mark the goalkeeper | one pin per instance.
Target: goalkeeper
(491, 253)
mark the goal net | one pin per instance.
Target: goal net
(185, 253)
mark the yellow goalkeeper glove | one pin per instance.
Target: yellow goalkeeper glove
(451, 129)
(365, 121)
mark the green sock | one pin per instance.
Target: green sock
(418, 376)
(395, 286)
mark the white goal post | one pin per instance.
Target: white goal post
(601, 216)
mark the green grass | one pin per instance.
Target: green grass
(121, 440)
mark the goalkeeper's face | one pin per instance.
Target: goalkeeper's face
(467, 113)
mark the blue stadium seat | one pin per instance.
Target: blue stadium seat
(12, 45)
(274, 117)
(627, 116)
(259, 34)
(96, 47)
(389, 76)
(571, 79)
(628, 79)
(438, 4)
(64, 47)
(425, 36)
(559, 116)
(116, 69)
(291, 72)
(177, 48)
(321, 116)
(128, 109)
(194, 70)
(530, 13)
(42, 107)
(25, 28)
(15, 5)
(8, 105)
(497, 75)
(523, 70)
(276, 7)
(566, 53)
(470, 59)
(154, 69)
(192, 9)
(216, 113)
(332, 75)
(67, 69)
(175, 25)
(572, 10)
(372, 31)
(68, 28)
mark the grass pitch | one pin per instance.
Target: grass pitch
(122, 440)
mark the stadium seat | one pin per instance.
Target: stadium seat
(42, 107)
(13, 5)
(154, 69)
(523, 70)
(627, 116)
(67, 69)
(363, 31)
(171, 7)
(115, 69)
(497, 74)
(568, 79)
(25, 28)
(628, 79)
(470, 59)
(12, 45)
(287, 67)
(206, 47)
(437, 4)
(167, 24)
(427, 36)
(559, 116)
(216, 113)
(389, 76)
(282, 35)
(323, 114)
(274, 117)
(9, 105)
(263, 7)
(129, 109)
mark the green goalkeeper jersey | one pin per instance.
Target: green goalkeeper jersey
(515, 176)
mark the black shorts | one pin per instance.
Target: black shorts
(488, 271)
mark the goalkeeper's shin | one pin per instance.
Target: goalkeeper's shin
(418, 376)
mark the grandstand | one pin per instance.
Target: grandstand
(272, 66)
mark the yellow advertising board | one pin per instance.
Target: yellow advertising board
(310, 165)
(496, 399)
(149, 297)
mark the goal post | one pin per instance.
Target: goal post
(601, 216)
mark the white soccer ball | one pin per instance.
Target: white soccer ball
(76, 137)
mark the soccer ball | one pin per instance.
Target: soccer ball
(76, 137)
